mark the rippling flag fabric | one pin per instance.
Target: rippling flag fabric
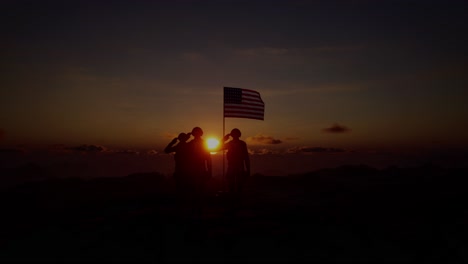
(243, 103)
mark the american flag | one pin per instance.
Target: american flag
(243, 103)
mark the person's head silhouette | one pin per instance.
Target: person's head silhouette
(183, 137)
(197, 132)
(235, 133)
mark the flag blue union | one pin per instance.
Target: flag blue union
(243, 103)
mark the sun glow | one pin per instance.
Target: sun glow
(212, 143)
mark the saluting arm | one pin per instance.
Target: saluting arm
(170, 147)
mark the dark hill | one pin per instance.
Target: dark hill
(347, 213)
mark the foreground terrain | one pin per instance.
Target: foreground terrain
(350, 213)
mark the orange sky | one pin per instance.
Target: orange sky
(133, 75)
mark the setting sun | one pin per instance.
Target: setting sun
(212, 143)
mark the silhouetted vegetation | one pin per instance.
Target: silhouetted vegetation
(346, 213)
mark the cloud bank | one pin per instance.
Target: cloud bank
(264, 140)
(314, 150)
(262, 151)
(88, 148)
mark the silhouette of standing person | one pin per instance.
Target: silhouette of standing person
(200, 167)
(182, 159)
(238, 161)
(200, 159)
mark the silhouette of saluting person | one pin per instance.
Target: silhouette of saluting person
(238, 161)
(182, 158)
(200, 160)
(200, 170)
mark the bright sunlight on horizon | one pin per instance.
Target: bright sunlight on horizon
(212, 143)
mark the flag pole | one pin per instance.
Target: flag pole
(222, 144)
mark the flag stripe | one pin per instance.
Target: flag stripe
(243, 103)
(245, 112)
(249, 94)
(250, 107)
(259, 117)
(251, 99)
(247, 90)
(253, 103)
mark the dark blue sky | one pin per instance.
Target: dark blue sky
(133, 72)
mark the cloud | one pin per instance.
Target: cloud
(2, 133)
(59, 149)
(336, 129)
(314, 150)
(291, 138)
(265, 140)
(151, 152)
(89, 148)
(126, 151)
(262, 151)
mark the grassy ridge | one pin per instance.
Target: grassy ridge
(345, 213)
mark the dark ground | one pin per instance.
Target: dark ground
(350, 213)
